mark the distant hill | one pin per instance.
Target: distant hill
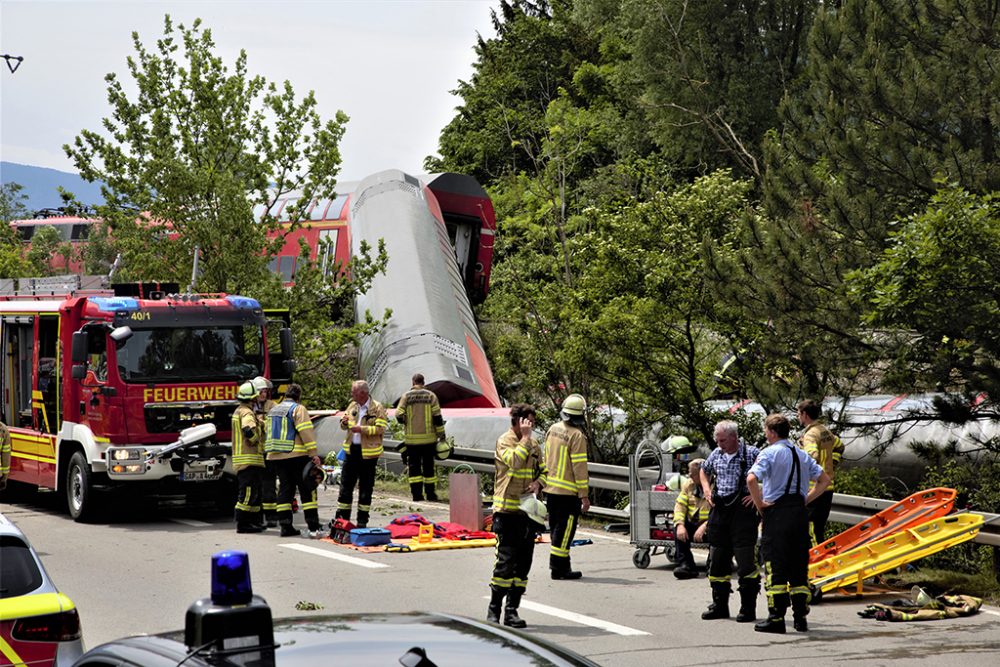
(40, 185)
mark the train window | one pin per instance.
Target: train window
(327, 249)
(26, 232)
(336, 208)
(272, 266)
(283, 216)
(258, 212)
(80, 232)
(319, 209)
(286, 267)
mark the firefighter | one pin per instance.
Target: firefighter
(365, 422)
(4, 455)
(520, 472)
(420, 414)
(732, 524)
(268, 492)
(290, 445)
(779, 486)
(248, 460)
(567, 487)
(827, 450)
(690, 521)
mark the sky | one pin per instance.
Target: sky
(389, 64)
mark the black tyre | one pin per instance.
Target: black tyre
(79, 488)
(640, 558)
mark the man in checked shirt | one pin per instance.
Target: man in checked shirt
(732, 524)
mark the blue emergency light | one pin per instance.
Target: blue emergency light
(231, 578)
(233, 620)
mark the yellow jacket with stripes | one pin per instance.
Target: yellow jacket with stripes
(304, 440)
(419, 412)
(4, 451)
(824, 447)
(248, 438)
(518, 463)
(374, 423)
(691, 505)
(566, 461)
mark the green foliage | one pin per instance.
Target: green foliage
(185, 159)
(937, 284)
(13, 263)
(46, 244)
(195, 147)
(865, 482)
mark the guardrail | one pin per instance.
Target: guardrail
(846, 509)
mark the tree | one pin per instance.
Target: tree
(13, 263)
(186, 158)
(184, 162)
(935, 294)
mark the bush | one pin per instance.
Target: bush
(862, 482)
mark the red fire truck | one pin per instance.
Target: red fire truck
(131, 388)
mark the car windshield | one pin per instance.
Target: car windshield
(202, 353)
(19, 574)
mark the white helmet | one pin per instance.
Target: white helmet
(260, 383)
(534, 508)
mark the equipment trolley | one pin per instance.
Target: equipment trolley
(653, 490)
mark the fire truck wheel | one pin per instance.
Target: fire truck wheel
(79, 490)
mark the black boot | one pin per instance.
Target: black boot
(748, 605)
(800, 609)
(773, 624)
(362, 519)
(510, 617)
(720, 602)
(431, 492)
(496, 605)
(417, 491)
(559, 566)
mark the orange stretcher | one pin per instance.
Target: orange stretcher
(908, 512)
(902, 547)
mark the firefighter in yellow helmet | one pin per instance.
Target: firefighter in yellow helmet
(248, 460)
(269, 488)
(568, 486)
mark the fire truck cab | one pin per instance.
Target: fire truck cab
(102, 389)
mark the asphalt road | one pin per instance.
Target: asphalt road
(137, 573)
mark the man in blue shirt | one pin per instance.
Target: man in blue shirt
(732, 524)
(779, 486)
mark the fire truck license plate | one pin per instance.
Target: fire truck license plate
(200, 474)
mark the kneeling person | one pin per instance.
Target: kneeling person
(690, 521)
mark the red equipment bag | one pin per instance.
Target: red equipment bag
(340, 531)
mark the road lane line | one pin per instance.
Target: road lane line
(579, 618)
(335, 556)
(191, 522)
(990, 611)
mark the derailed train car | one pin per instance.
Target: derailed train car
(439, 238)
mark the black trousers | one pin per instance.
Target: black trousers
(248, 486)
(819, 512)
(564, 515)
(420, 461)
(785, 546)
(289, 473)
(732, 532)
(269, 491)
(361, 472)
(682, 550)
(515, 550)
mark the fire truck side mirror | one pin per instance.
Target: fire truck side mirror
(79, 351)
(78, 371)
(287, 343)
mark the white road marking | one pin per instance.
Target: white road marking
(335, 556)
(191, 522)
(579, 618)
(602, 536)
(990, 611)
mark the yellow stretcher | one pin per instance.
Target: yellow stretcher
(888, 553)
(415, 545)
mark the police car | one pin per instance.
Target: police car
(39, 626)
(234, 627)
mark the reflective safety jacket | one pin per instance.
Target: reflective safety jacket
(691, 505)
(824, 447)
(420, 414)
(248, 438)
(4, 450)
(566, 461)
(517, 464)
(374, 422)
(289, 432)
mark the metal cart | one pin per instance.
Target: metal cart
(650, 466)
